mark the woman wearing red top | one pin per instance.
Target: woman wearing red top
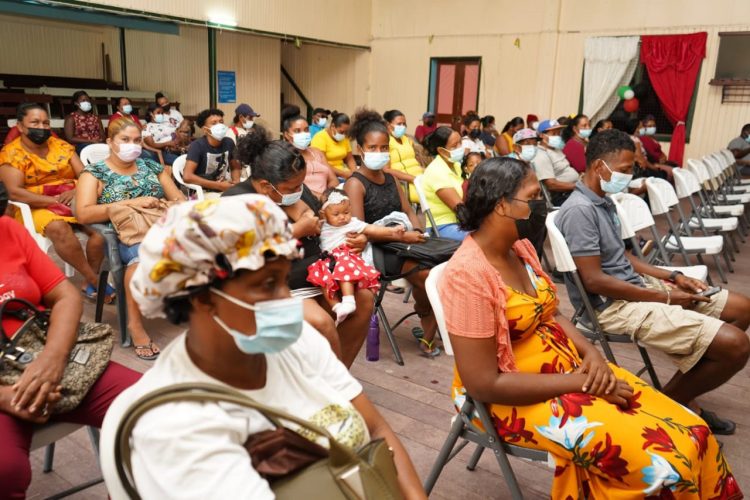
(28, 273)
(83, 126)
(576, 136)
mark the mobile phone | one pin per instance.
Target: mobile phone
(710, 291)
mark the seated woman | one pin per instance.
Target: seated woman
(470, 140)
(604, 124)
(373, 195)
(442, 181)
(125, 178)
(83, 126)
(244, 331)
(645, 167)
(611, 434)
(27, 273)
(576, 136)
(41, 171)
(160, 135)
(279, 170)
(504, 143)
(335, 145)
(295, 130)
(404, 164)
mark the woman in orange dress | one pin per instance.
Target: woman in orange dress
(611, 434)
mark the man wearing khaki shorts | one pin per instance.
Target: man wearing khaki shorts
(705, 337)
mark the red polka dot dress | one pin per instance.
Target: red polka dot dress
(342, 264)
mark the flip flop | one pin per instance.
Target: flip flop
(717, 424)
(149, 347)
(418, 333)
(433, 351)
(90, 293)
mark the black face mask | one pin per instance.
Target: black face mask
(166, 107)
(429, 122)
(3, 199)
(474, 134)
(533, 227)
(39, 135)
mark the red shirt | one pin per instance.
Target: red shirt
(423, 131)
(133, 117)
(14, 133)
(25, 271)
(652, 147)
(575, 152)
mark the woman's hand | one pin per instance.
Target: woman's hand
(66, 198)
(412, 237)
(39, 380)
(601, 379)
(39, 417)
(356, 241)
(147, 202)
(620, 395)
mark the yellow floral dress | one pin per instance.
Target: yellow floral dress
(655, 449)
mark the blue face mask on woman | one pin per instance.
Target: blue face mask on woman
(278, 324)
(399, 131)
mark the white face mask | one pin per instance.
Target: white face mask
(339, 136)
(376, 160)
(127, 109)
(218, 131)
(322, 122)
(301, 140)
(128, 152)
(650, 130)
(85, 106)
(248, 124)
(528, 152)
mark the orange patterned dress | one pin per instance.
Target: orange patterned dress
(655, 449)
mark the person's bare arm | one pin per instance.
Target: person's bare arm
(449, 197)
(332, 181)
(553, 184)
(190, 177)
(355, 191)
(14, 183)
(69, 129)
(171, 191)
(102, 133)
(408, 480)
(349, 160)
(740, 153)
(76, 164)
(235, 169)
(399, 174)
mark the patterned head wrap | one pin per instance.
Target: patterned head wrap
(197, 242)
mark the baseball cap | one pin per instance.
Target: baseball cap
(428, 114)
(549, 125)
(245, 110)
(523, 134)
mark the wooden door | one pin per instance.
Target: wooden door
(456, 89)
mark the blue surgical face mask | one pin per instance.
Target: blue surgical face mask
(301, 140)
(650, 130)
(456, 155)
(747, 139)
(278, 324)
(322, 122)
(290, 199)
(617, 183)
(376, 160)
(338, 136)
(160, 118)
(556, 142)
(585, 133)
(642, 131)
(528, 152)
(399, 131)
(127, 109)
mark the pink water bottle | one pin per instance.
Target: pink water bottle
(373, 339)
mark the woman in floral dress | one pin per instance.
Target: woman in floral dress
(611, 435)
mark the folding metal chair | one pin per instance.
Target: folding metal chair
(585, 317)
(662, 198)
(710, 206)
(45, 436)
(463, 425)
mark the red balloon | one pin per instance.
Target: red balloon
(631, 105)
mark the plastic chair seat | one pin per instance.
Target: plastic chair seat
(733, 210)
(727, 224)
(742, 198)
(710, 245)
(696, 272)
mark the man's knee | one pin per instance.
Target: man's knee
(740, 310)
(735, 346)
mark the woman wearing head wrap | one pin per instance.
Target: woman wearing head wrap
(221, 266)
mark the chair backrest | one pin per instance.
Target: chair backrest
(560, 251)
(699, 169)
(178, 166)
(433, 294)
(661, 195)
(633, 211)
(686, 183)
(424, 205)
(728, 156)
(94, 153)
(712, 166)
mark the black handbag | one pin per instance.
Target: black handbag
(430, 253)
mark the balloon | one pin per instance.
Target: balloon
(631, 105)
(629, 94)
(621, 91)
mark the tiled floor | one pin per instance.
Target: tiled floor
(415, 400)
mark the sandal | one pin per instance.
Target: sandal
(90, 293)
(718, 425)
(418, 333)
(147, 348)
(394, 289)
(433, 351)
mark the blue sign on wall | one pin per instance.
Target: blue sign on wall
(227, 83)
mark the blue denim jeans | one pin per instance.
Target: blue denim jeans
(128, 254)
(452, 231)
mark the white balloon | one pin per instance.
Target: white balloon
(629, 94)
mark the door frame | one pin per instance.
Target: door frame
(433, 81)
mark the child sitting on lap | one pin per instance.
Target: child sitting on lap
(341, 267)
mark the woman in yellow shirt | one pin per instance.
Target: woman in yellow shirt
(442, 181)
(404, 164)
(335, 145)
(504, 145)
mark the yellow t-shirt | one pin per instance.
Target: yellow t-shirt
(404, 159)
(439, 175)
(335, 151)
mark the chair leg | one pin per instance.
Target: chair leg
(500, 455)
(122, 307)
(649, 368)
(474, 460)
(407, 295)
(443, 456)
(389, 335)
(94, 438)
(100, 292)
(49, 457)
(720, 269)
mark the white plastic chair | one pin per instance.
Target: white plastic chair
(94, 153)
(627, 232)
(699, 170)
(662, 198)
(424, 205)
(44, 243)
(431, 287)
(718, 178)
(177, 168)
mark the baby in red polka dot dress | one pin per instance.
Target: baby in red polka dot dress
(342, 270)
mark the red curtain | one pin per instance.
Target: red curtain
(673, 62)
